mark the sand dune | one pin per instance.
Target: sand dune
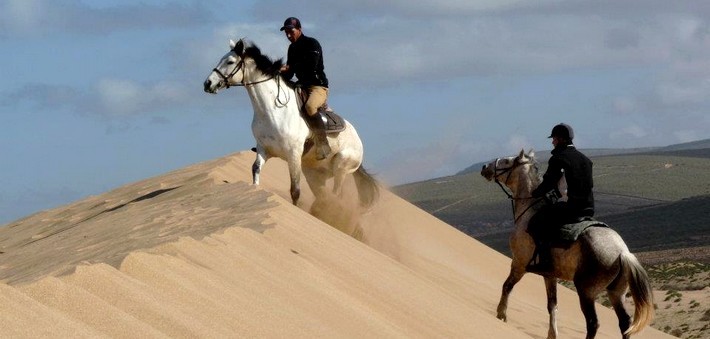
(200, 252)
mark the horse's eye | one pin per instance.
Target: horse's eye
(230, 62)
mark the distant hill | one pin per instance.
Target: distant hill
(693, 145)
(629, 183)
(675, 225)
(684, 223)
(699, 149)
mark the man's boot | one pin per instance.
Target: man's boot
(317, 125)
(541, 262)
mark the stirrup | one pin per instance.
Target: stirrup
(538, 265)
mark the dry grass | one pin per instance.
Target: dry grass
(682, 295)
(681, 291)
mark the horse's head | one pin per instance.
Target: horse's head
(227, 72)
(242, 65)
(514, 172)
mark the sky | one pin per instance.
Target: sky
(98, 94)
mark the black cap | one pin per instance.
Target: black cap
(562, 131)
(291, 23)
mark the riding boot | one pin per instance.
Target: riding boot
(541, 262)
(317, 126)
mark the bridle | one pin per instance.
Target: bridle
(509, 170)
(240, 66)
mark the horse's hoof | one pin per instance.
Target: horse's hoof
(502, 317)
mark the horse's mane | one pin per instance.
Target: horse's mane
(534, 173)
(263, 62)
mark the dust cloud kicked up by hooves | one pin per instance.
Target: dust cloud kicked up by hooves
(341, 212)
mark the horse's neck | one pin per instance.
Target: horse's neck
(522, 207)
(272, 100)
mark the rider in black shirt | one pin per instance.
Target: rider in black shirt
(576, 168)
(305, 60)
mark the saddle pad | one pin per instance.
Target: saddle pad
(570, 232)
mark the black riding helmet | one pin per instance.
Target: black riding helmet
(563, 131)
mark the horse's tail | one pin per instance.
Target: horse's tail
(367, 187)
(641, 292)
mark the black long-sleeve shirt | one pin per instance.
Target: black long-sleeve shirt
(577, 169)
(305, 60)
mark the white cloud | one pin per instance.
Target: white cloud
(119, 95)
(628, 133)
(20, 15)
(686, 135)
(125, 97)
(381, 45)
(53, 17)
(518, 142)
(685, 83)
(624, 105)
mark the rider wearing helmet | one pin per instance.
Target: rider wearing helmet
(576, 168)
(305, 60)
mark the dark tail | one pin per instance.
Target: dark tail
(641, 292)
(367, 187)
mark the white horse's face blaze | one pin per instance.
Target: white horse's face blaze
(226, 73)
(495, 167)
(508, 170)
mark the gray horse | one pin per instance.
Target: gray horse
(597, 260)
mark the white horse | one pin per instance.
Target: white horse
(280, 130)
(598, 260)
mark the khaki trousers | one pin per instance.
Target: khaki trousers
(317, 96)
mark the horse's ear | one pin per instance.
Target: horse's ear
(531, 153)
(238, 47)
(232, 44)
(522, 154)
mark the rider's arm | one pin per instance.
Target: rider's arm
(287, 70)
(550, 179)
(310, 57)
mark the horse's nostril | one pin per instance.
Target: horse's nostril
(207, 84)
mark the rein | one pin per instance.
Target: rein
(512, 199)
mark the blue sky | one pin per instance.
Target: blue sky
(98, 94)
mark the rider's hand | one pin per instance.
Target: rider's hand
(284, 68)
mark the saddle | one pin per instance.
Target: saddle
(568, 233)
(333, 122)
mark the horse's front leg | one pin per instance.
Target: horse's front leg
(551, 287)
(513, 277)
(258, 162)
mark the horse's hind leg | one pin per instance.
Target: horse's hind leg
(341, 167)
(551, 287)
(316, 179)
(338, 179)
(294, 170)
(616, 292)
(513, 277)
(586, 302)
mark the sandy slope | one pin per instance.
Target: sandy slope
(201, 252)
